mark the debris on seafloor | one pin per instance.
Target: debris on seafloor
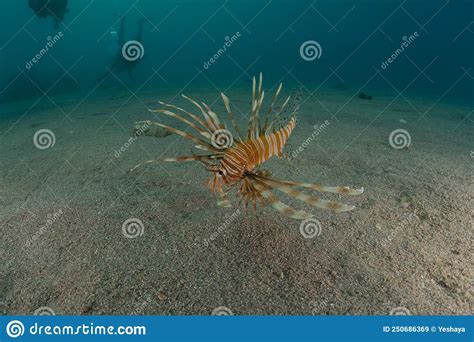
(364, 96)
(146, 128)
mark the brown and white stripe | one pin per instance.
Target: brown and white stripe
(248, 155)
(236, 164)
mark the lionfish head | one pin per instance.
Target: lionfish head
(219, 177)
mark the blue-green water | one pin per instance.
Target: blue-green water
(356, 38)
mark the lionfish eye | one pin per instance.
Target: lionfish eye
(220, 172)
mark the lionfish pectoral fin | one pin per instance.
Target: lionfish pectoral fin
(265, 192)
(223, 200)
(344, 190)
(213, 116)
(200, 147)
(209, 119)
(198, 129)
(186, 135)
(311, 200)
(191, 115)
(231, 116)
(175, 159)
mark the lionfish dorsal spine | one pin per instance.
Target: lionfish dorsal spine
(238, 164)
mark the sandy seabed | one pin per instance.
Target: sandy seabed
(406, 247)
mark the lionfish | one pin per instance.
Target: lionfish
(235, 160)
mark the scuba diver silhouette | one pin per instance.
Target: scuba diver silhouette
(54, 8)
(122, 61)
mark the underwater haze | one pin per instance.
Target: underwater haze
(356, 37)
(348, 193)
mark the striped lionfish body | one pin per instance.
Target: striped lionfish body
(246, 156)
(235, 160)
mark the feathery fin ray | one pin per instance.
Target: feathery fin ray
(236, 163)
